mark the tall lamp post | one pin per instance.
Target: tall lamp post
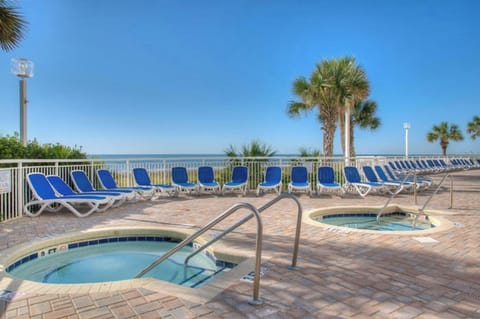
(22, 68)
(406, 126)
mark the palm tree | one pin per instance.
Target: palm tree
(318, 93)
(304, 152)
(351, 85)
(363, 116)
(332, 87)
(12, 26)
(473, 127)
(444, 133)
(254, 149)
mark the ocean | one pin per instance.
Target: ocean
(202, 156)
(152, 156)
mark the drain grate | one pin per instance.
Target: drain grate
(251, 275)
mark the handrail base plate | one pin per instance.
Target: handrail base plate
(255, 302)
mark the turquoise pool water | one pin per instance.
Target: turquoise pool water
(388, 222)
(118, 261)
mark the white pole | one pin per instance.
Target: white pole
(23, 111)
(22, 68)
(406, 143)
(347, 134)
(406, 126)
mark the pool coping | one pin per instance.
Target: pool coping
(440, 222)
(202, 294)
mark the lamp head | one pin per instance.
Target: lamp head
(22, 68)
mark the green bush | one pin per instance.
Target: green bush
(11, 148)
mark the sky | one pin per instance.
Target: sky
(193, 77)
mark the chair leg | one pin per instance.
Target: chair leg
(360, 191)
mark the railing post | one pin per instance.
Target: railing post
(20, 190)
(127, 169)
(56, 168)
(164, 171)
(92, 167)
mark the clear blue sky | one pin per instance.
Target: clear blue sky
(188, 76)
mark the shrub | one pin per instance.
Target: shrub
(11, 148)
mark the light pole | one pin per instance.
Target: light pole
(406, 126)
(23, 68)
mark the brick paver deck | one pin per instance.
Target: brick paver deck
(341, 274)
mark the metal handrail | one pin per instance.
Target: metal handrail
(421, 211)
(247, 218)
(382, 210)
(258, 255)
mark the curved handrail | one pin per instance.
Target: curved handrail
(421, 211)
(258, 255)
(400, 187)
(247, 218)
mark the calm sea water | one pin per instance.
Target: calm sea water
(162, 162)
(195, 156)
(152, 156)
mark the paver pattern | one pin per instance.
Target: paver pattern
(340, 275)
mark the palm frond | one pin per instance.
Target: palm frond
(295, 109)
(473, 127)
(12, 26)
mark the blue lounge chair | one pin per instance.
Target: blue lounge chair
(141, 177)
(445, 165)
(273, 180)
(427, 166)
(408, 166)
(206, 180)
(108, 183)
(439, 166)
(326, 180)
(239, 180)
(423, 167)
(83, 185)
(353, 180)
(44, 196)
(372, 178)
(470, 163)
(434, 167)
(299, 180)
(422, 181)
(407, 186)
(416, 168)
(63, 189)
(180, 180)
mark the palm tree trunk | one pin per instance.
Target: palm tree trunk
(444, 144)
(328, 136)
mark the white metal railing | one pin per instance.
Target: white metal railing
(14, 192)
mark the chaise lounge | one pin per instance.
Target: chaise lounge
(44, 196)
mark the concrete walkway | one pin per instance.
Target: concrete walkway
(342, 274)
